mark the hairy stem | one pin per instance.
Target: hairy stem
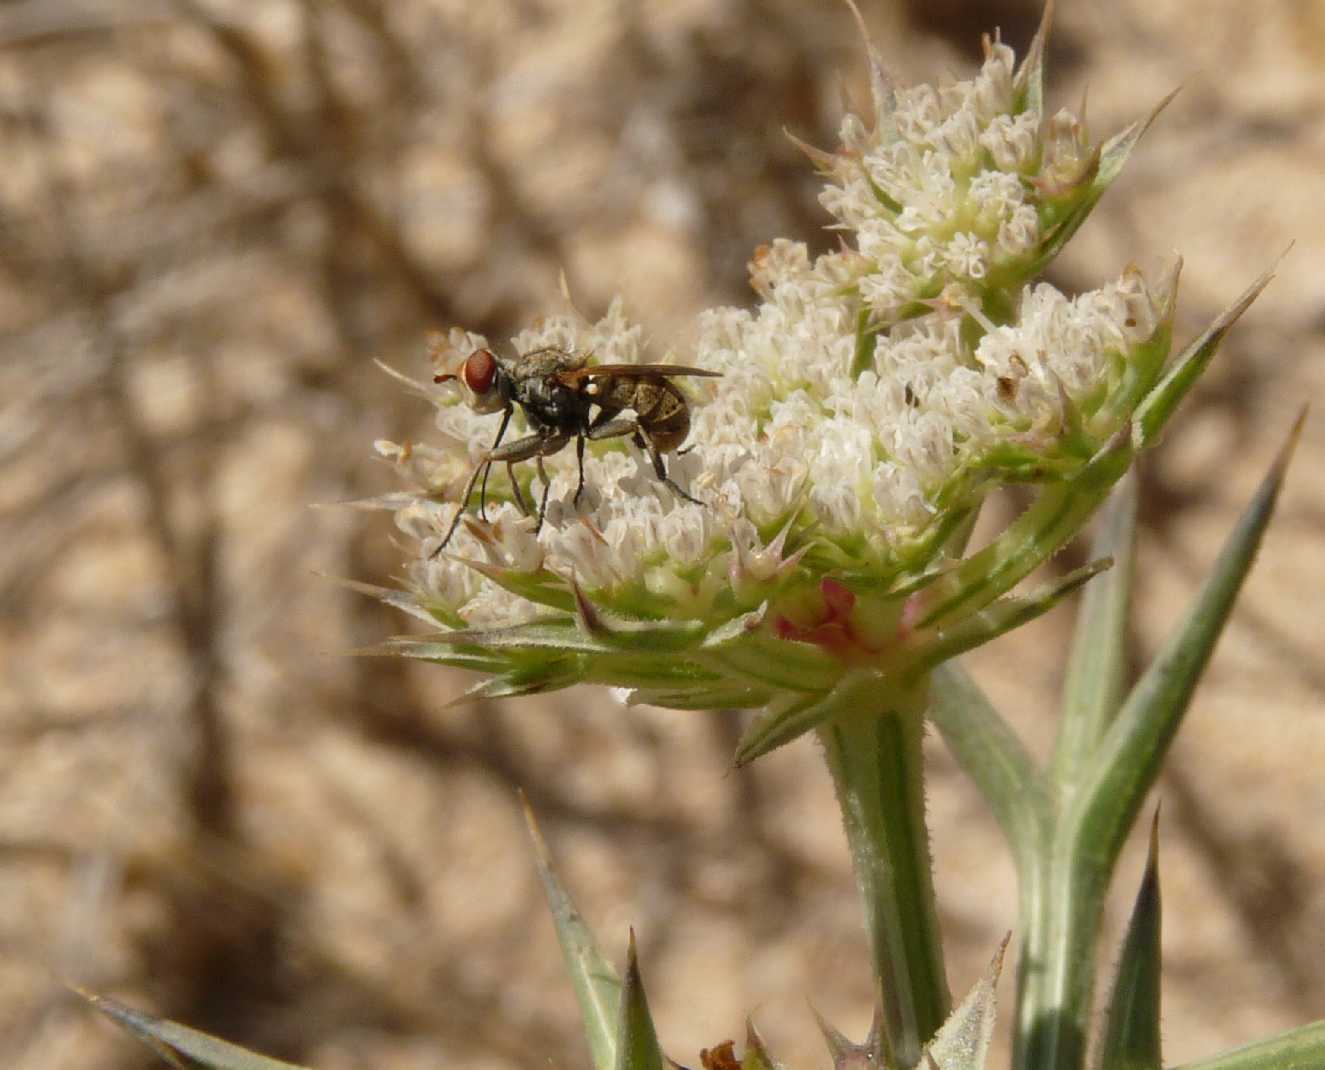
(878, 769)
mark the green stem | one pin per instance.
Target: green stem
(877, 764)
(1062, 899)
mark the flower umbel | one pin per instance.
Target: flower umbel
(866, 405)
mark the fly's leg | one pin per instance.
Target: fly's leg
(579, 460)
(483, 489)
(522, 449)
(627, 426)
(481, 470)
(482, 467)
(547, 486)
(531, 447)
(520, 503)
(645, 443)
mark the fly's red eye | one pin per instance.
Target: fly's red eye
(479, 371)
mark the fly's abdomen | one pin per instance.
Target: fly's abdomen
(663, 414)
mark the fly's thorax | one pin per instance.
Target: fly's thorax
(549, 404)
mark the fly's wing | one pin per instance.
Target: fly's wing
(575, 376)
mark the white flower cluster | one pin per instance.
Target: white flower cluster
(937, 189)
(864, 385)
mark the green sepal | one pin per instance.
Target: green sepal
(175, 1043)
(1131, 1026)
(597, 987)
(636, 1039)
(1154, 412)
(866, 341)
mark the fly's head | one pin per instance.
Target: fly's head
(484, 381)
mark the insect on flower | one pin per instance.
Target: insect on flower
(564, 397)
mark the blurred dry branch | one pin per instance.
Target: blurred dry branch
(213, 214)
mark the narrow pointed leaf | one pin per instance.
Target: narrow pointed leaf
(785, 720)
(1097, 669)
(992, 755)
(597, 987)
(1113, 155)
(442, 654)
(535, 679)
(1055, 516)
(636, 1040)
(840, 1047)
(542, 587)
(723, 696)
(1000, 617)
(756, 1056)
(775, 662)
(962, 1042)
(1030, 78)
(1154, 412)
(1130, 755)
(1131, 1031)
(558, 634)
(405, 601)
(1298, 1049)
(180, 1046)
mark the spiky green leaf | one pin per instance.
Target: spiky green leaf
(1056, 515)
(182, 1047)
(999, 618)
(1113, 156)
(962, 1043)
(636, 1039)
(597, 987)
(1131, 1028)
(757, 1056)
(1129, 757)
(1097, 668)
(1029, 83)
(1298, 1049)
(993, 756)
(1154, 412)
(788, 717)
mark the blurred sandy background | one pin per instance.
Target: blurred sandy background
(215, 213)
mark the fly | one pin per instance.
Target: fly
(564, 397)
